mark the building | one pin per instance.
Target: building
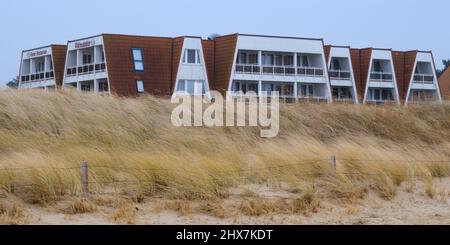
(375, 75)
(299, 69)
(42, 68)
(342, 78)
(417, 77)
(295, 67)
(444, 82)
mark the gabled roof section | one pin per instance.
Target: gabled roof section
(59, 60)
(208, 52)
(225, 49)
(177, 47)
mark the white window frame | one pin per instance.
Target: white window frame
(140, 86)
(196, 82)
(198, 60)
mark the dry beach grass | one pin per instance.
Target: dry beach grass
(134, 153)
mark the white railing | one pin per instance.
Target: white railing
(340, 74)
(343, 100)
(381, 76)
(310, 71)
(282, 98)
(279, 70)
(373, 101)
(423, 78)
(248, 68)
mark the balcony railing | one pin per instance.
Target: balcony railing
(380, 102)
(85, 69)
(283, 98)
(381, 76)
(248, 68)
(279, 70)
(36, 77)
(340, 75)
(310, 71)
(423, 78)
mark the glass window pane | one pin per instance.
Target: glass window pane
(190, 86)
(191, 56)
(305, 62)
(181, 86)
(138, 66)
(198, 57)
(140, 86)
(137, 54)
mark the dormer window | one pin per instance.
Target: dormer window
(191, 56)
(377, 66)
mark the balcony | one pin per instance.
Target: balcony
(36, 77)
(248, 68)
(310, 71)
(85, 69)
(381, 76)
(279, 70)
(381, 102)
(423, 78)
(340, 75)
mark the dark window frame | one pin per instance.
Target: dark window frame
(136, 60)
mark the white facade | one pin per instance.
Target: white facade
(340, 71)
(381, 80)
(423, 85)
(294, 67)
(86, 68)
(36, 69)
(192, 77)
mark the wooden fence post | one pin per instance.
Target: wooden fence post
(84, 177)
(333, 162)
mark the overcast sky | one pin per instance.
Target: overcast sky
(398, 24)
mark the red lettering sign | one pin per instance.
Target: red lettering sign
(84, 44)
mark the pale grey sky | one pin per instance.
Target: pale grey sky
(398, 24)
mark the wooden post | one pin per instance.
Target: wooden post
(333, 162)
(84, 177)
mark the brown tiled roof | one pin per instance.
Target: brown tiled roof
(157, 59)
(59, 60)
(225, 47)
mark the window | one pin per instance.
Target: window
(192, 87)
(305, 61)
(278, 60)
(140, 86)
(253, 58)
(191, 56)
(40, 66)
(307, 90)
(288, 60)
(302, 60)
(242, 58)
(103, 86)
(87, 58)
(267, 59)
(51, 64)
(137, 59)
(377, 66)
(336, 65)
(181, 86)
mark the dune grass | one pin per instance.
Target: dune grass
(132, 149)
